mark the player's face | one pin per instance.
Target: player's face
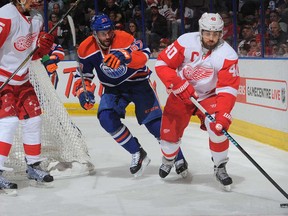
(210, 39)
(28, 4)
(105, 38)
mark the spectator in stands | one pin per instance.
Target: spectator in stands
(243, 50)
(274, 51)
(254, 50)
(274, 17)
(169, 11)
(79, 15)
(157, 26)
(282, 7)
(66, 40)
(111, 5)
(285, 47)
(276, 35)
(53, 20)
(133, 29)
(52, 2)
(137, 17)
(247, 35)
(56, 9)
(127, 8)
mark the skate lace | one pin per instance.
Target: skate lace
(135, 159)
(4, 183)
(221, 173)
(37, 173)
(166, 167)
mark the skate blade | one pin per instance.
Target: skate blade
(145, 163)
(184, 174)
(226, 188)
(39, 184)
(284, 205)
(9, 192)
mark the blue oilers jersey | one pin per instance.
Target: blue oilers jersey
(91, 57)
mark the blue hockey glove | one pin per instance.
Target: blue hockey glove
(86, 99)
(116, 58)
(50, 63)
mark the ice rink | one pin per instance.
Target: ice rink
(114, 191)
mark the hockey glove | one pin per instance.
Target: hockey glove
(86, 99)
(50, 63)
(45, 42)
(184, 91)
(117, 58)
(222, 121)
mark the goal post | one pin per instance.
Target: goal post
(63, 144)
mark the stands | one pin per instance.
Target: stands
(162, 19)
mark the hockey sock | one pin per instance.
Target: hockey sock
(179, 156)
(126, 140)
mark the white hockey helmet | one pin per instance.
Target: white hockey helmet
(211, 22)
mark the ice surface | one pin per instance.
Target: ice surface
(114, 191)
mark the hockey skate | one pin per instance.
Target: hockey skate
(181, 167)
(165, 167)
(35, 172)
(139, 162)
(222, 176)
(7, 187)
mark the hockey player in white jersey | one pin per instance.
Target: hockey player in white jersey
(20, 27)
(203, 66)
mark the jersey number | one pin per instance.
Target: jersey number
(234, 70)
(171, 51)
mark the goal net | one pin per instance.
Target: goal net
(63, 144)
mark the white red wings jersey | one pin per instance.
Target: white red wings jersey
(210, 74)
(18, 36)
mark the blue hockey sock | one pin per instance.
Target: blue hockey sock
(179, 155)
(126, 140)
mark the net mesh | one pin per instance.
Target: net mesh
(63, 144)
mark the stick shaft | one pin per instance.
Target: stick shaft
(229, 137)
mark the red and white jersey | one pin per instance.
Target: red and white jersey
(212, 73)
(18, 36)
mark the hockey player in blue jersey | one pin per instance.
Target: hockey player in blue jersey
(120, 63)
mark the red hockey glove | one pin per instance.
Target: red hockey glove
(86, 99)
(222, 121)
(45, 42)
(50, 63)
(116, 58)
(184, 91)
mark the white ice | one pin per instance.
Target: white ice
(114, 191)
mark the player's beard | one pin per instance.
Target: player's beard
(210, 45)
(105, 44)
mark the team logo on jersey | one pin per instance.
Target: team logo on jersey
(24, 42)
(113, 73)
(196, 73)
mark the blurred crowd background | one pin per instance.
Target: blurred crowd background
(251, 31)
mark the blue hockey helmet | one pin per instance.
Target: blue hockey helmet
(101, 23)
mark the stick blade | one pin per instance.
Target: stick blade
(284, 205)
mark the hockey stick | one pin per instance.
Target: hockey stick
(37, 47)
(83, 82)
(198, 105)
